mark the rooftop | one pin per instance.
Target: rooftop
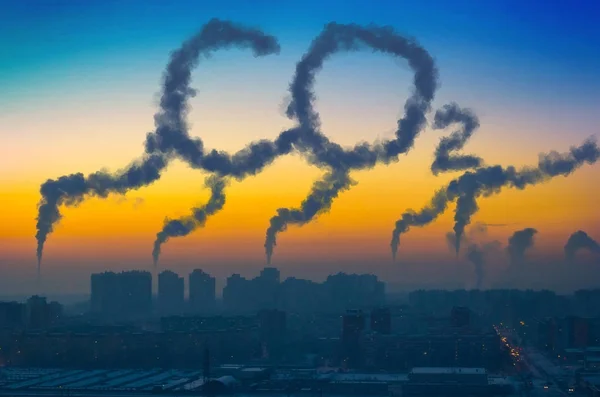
(448, 370)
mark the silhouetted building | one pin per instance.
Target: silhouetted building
(353, 325)
(453, 382)
(40, 314)
(546, 334)
(381, 320)
(211, 323)
(402, 352)
(577, 331)
(272, 331)
(270, 275)
(103, 300)
(301, 296)
(12, 315)
(234, 293)
(460, 316)
(265, 289)
(350, 291)
(170, 293)
(118, 296)
(202, 291)
(571, 332)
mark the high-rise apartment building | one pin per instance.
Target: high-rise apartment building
(202, 291)
(170, 293)
(353, 325)
(121, 295)
(381, 320)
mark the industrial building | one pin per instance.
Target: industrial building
(256, 380)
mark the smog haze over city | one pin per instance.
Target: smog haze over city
(338, 198)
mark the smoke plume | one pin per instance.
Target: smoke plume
(518, 243)
(425, 216)
(337, 38)
(490, 180)
(578, 241)
(444, 161)
(329, 155)
(170, 137)
(70, 190)
(476, 251)
(484, 250)
(184, 226)
(171, 140)
(476, 231)
(318, 201)
(171, 134)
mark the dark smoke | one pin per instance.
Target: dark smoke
(184, 226)
(171, 135)
(425, 216)
(477, 254)
(488, 181)
(71, 189)
(476, 231)
(171, 128)
(578, 241)
(444, 161)
(518, 243)
(326, 154)
(337, 38)
(318, 201)
(476, 251)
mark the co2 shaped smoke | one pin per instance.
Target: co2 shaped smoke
(171, 140)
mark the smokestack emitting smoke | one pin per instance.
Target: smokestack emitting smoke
(476, 231)
(518, 243)
(336, 38)
(71, 189)
(488, 181)
(171, 135)
(326, 154)
(318, 201)
(578, 241)
(171, 139)
(476, 252)
(184, 226)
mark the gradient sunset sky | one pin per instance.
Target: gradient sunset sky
(80, 82)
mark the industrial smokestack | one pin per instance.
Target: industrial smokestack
(71, 189)
(320, 150)
(186, 225)
(318, 201)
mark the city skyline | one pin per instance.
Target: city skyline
(109, 94)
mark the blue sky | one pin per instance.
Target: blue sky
(552, 36)
(503, 57)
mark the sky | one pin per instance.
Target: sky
(81, 81)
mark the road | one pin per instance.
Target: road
(544, 373)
